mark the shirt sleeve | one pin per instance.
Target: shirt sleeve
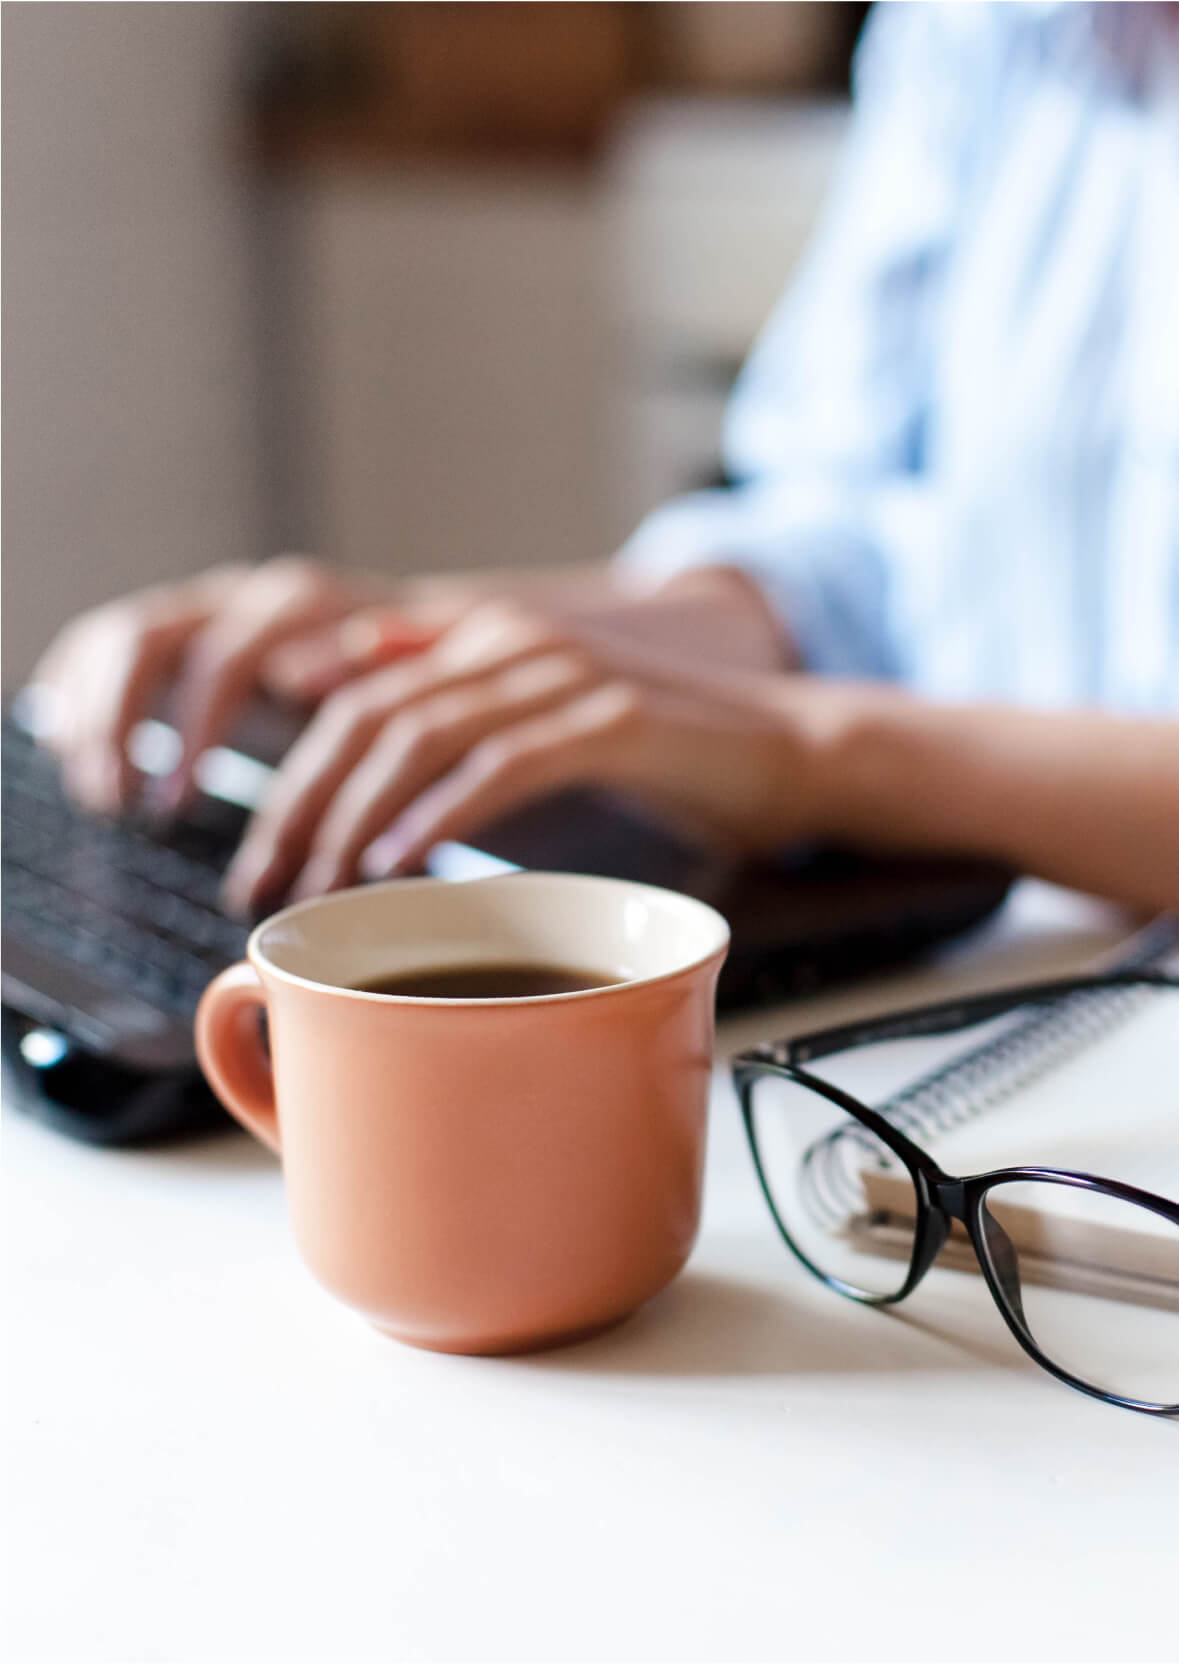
(826, 436)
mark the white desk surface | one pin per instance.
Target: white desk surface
(211, 1461)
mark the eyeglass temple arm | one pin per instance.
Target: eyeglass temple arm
(943, 1017)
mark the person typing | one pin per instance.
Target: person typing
(938, 609)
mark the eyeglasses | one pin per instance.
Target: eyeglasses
(869, 1211)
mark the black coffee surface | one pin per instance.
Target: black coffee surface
(489, 980)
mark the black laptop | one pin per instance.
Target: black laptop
(111, 930)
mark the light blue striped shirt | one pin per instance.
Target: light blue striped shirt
(956, 445)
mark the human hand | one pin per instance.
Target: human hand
(213, 635)
(507, 706)
(711, 615)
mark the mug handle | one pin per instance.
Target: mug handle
(231, 1054)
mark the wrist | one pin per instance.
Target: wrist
(844, 746)
(904, 773)
(713, 615)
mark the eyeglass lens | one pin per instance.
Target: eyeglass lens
(1093, 1279)
(1070, 1244)
(847, 1204)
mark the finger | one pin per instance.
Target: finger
(488, 642)
(422, 744)
(102, 671)
(222, 665)
(590, 739)
(45, 683)
(311, 665)
(184, 606)
(319, 762)
(57, 679)
(497, 634)
(107, 689)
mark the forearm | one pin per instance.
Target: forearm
(1082, 798)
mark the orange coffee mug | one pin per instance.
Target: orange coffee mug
(479, 1175)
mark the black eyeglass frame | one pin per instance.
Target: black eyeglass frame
(943, 1199)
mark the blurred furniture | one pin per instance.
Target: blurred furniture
(520, 268)
(373, 82)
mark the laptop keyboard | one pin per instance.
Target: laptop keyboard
(137, 909)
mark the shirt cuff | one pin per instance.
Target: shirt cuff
(824, 579)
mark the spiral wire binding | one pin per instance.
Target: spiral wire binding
(1032, 1045)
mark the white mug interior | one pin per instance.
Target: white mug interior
(630, 931)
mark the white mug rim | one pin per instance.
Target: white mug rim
(665, 896)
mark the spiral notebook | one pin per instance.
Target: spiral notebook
(1089, 1083)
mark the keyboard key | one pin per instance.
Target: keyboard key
(138, 910)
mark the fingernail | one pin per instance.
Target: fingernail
(91, 783)
(104, 786)
(163, 796)
(359, 637)
(321, 874)
(111, 778)
(381, 857)
(155, 800)
(243, 880)
(235, 897)
(171, 791)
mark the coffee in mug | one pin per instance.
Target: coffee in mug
(475, 1163)
(485, 982)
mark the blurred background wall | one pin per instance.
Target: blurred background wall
(415, 286)
(130, 373)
